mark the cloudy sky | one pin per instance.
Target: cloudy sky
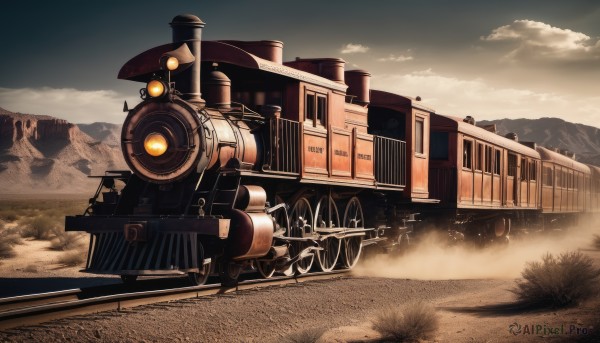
(488, 59)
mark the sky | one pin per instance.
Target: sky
(487, 59)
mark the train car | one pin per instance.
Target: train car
(484, 181)
(593, 206)
(564, 187)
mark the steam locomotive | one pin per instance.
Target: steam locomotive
(285, 167)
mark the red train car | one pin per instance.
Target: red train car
(565, 185)
(481, 176)
(593, 195)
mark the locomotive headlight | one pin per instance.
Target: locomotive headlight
(156, 88)
(155, 144)
(172, 63)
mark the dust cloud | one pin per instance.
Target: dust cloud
(433, 259)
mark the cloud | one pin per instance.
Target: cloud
(351, 48)
(537, 40)
(76, 106)
(393, 58)
(459, 97)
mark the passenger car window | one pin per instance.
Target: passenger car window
(512, 165)
(532, 171)
(419, 128)
(488, 159)
(497, 163)
(467, 154)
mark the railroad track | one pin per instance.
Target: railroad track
(38, 308)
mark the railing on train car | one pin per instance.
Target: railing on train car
(390, 161)
(285, 136)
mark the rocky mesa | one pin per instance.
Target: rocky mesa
(42, 154)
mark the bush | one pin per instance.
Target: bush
(11, 236)
(9, 215)
(66, 241)
(40, 227)
(305, 336)
(597, 242)
(72, 258)
(31, 268)
(11, 239)
(417, 321)
(6, 250)
(558, 281)
(8, 239)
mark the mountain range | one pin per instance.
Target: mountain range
(42, 154)
(581, 139)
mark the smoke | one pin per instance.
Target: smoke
(432, 259)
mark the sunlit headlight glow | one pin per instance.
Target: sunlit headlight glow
(155, 88)
(155, 144)
(172, 63)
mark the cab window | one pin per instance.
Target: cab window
(315, 108)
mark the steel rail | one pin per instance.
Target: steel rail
(39, 308)
(30, 300)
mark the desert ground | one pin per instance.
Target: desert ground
(469, 289)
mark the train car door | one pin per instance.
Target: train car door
(523, 200)
(497, 178)
(466, 173)
(314, 133)
(478, 174)
(533, 184)
(547, 187)
(511, 181)
(487, 176)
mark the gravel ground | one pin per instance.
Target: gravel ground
(262, 315)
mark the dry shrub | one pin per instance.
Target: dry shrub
(32, 268)
(416, 321)
(6, 250)
(8, 239)
(11, 236)
(39, 227)
(558, 281)
(310, 335)
(72, 258)
(66, 241)
(597, 242)
(9, 215)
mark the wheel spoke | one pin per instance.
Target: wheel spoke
(327, 218)
(265, 268)
(301, 216)
(353, 218)
(200, 278)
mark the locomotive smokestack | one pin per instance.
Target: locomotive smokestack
(187, 29)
